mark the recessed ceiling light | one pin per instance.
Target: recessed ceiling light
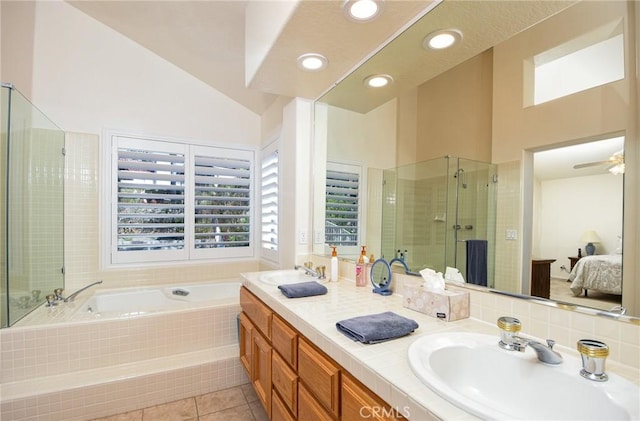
(378, 81)
(439, 40)
(312, 62)
(363, 10)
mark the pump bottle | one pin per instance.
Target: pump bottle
(334, 264)
(361, 269)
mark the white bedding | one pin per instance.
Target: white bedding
(599, 272)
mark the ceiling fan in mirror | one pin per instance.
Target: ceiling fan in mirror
(615, 163)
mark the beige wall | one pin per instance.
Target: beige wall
(454, 112)
(582, 115)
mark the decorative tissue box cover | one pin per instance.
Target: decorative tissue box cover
(447, 305)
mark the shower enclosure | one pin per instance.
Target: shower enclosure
(31, 206)
(433, 209)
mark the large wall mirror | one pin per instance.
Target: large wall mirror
(547, 164)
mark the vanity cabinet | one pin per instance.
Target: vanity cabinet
(358, 403)
(293, 378)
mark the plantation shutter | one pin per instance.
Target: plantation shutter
(222, 201)
(342, 208)
(269, 205)
(149, 199)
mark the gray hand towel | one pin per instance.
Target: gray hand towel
(302, 289)
(376, 328)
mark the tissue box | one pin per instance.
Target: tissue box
(447, 304)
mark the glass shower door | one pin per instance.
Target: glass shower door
(475, 208)
(32, 206)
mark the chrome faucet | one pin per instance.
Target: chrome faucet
(319, 272)
(510, 326)
(73, 296)
(307, 270)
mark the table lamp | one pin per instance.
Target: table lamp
(590, 237)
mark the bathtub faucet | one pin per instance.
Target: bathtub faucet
(72, 296)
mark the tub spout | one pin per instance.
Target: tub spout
(73, 296)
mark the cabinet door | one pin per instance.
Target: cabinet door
(285, 340)
(359, 403)
(309, 409)
(257, 311)
(261, 369)
(279, 411)
(285, 381)
(246, 332)
(320, 375)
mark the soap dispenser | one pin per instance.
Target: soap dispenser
(361, 279)
(334, 264)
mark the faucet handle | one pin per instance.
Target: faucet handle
(594, 355)
(550, 343)
(58, 294)
(509, 327)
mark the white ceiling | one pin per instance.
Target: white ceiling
(558, 163)
(207, 39)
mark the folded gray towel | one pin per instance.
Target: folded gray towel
(302, 289)
(376, 328)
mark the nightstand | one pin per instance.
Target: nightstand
(573, 260)
(541, 277)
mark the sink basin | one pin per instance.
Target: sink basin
(289, 276)
(472, 372)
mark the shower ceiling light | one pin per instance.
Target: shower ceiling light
(312, 62)
(363, 10)
(440, 40)
(377, 81)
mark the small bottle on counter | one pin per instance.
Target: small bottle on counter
(334, 264)
(367, 269)
(361, 276)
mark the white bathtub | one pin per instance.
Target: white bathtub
(180, 346)
(138, 301)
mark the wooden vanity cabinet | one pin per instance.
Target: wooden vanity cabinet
(358, 403)
(309, 409)
(293, 378)
(320, 375)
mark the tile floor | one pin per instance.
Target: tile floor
(235, 404)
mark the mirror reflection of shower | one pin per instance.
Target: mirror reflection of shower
(441, 207)
(461, 178)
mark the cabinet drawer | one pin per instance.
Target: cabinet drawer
(285, 340)
(257, 311)
(309, 409)
(279, 411)
(246, 332)
(320, 375)
(359, 403)
(285, 381)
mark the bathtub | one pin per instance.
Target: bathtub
(119, 350)
(138, 301)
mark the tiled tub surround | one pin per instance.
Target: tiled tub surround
(384, 367)
(86, 369)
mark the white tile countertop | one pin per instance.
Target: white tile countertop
(382, 367)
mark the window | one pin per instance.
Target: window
(175, 201)
(342, 227)
(592, 60)
(269, 204)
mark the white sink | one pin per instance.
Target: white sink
(288, 276)
(472, 372)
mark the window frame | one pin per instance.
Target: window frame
(111, 257)
(354, 168)
(272, 255)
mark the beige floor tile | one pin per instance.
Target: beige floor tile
(238, 413)
(249, 392)
(258, 411)
(220, 400)
(127, 416)
(181, 410)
